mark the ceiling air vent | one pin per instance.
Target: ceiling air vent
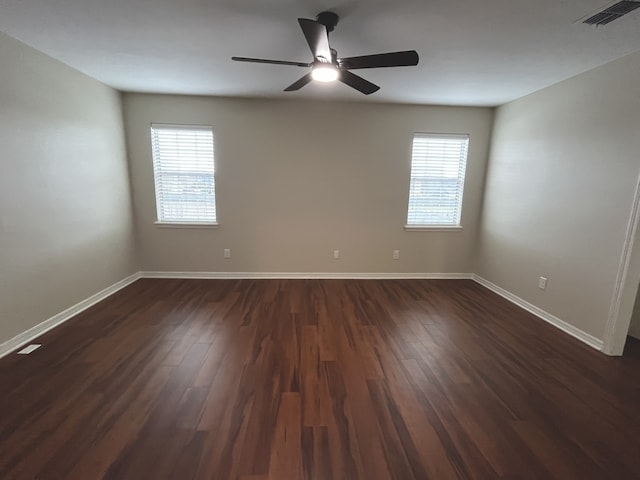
(612, 13)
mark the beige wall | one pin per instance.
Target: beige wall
(298, 179)
(559, 192)
(65, 215)
(634, 327)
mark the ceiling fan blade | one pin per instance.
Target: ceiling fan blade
(407, 58)
(298, 84)
(359, 83)
(317, 38)
(275, 62)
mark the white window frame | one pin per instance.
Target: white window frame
(163, 219)
(420, 162)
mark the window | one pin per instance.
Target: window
(438, 164)
(183, 168)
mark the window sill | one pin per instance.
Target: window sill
(185, 225)
(433, 228)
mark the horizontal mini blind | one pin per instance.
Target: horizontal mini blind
(438, 164)
(184, 172)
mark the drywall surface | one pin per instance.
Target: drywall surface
(296, 180)
(560, 184)
(66, 229)
(634, 327)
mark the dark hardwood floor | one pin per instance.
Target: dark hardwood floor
(316, 379)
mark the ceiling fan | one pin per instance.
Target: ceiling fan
(327, 67)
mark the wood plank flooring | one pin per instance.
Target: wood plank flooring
(316, 379)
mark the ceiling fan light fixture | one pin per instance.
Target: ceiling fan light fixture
(325, 73)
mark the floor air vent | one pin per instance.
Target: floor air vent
(29, 349)
(612, 13)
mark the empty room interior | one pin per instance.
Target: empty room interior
(319, 240)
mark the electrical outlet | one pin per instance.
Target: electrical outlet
(542, 283)
(227, 253)
(336, 254)
(396, 254)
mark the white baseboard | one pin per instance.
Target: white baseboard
(538, 312)
(306, 275)
(29, 335)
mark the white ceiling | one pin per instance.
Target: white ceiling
(472, 52)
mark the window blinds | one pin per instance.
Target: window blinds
(183, 168)
(438, 165)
